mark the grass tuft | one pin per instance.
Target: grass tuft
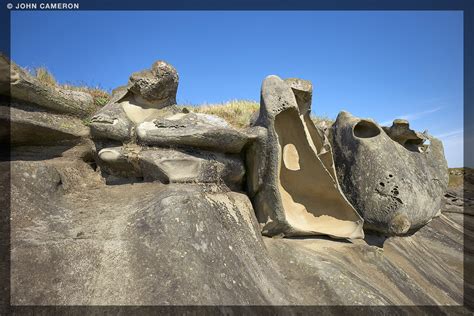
(100, 96)
(45, 76)
(239, 112)
(235, 112)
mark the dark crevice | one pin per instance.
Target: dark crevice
(366, 129)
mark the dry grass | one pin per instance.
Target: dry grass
(322, 121)
(456, 176)
(43, 75)
(239, 112)
(236, 112)
(100, 96)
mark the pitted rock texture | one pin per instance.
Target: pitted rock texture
(297, 194)
(396, 189)
(157, 86)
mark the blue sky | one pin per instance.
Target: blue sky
(376, 64)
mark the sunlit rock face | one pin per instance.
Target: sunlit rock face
(150, 94)
(141, 135)
(392, 176)
(295, 191)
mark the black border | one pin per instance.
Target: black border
(467, 6)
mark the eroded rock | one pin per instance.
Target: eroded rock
(172, 166)
(140, 244)
(28, 126)
(25, 87)
(396, 188)
(156, 87)
(192, 130)
(401, 133)
(111, 123)
(149, 94)
(298, 195)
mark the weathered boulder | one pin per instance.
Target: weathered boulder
(156, 87)
(111, 122)
(149, 94)
(297, 194)
(396, 185)
(26, 88)
(172, 166)
(26, 125)
(192, 130)
(401, 133)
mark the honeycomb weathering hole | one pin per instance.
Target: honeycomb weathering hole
(366, 129)
(291, 158)
(310, 198)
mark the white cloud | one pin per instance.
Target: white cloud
(450, 134)
(413, 116)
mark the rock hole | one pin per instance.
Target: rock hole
(366, 129)
(382, 184)
(390, 175)
(414, 145)
(291, 158)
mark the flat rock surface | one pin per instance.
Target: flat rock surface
(423, 269)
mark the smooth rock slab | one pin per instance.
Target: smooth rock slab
(28, 126)
(192, 130)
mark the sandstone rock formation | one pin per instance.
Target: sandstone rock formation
(393, 179)
(151, 209)
(195, 244)
(24, 87)
(194, 130)
(172, 166)
(298, 193)
(26, 125)
(144, 114)
(33, 113)
(77, 241)
(149, 94)
(401, 133)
